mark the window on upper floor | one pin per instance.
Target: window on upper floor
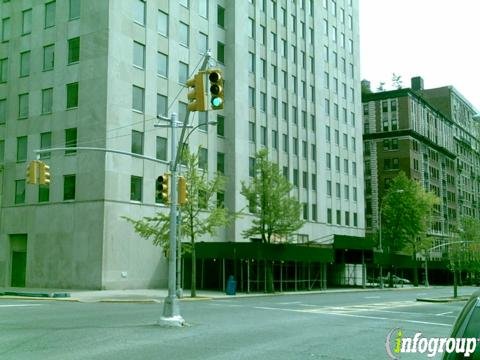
(50, 9)
(136, 188)
(220, 16)
(6, 29)
(23, 106)
(70, 140)
(183, 34)
(137, 142)
(48, 57)
(138, 12)
(26, 22)
(137, 98)
(72, 95)
(25, 63)
(22, 148)
(74, 9)
(74, 50)
(20, 191)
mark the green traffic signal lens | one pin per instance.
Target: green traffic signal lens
(217, 101)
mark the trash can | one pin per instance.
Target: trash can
(231, 286)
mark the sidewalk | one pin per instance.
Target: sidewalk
(152, 295)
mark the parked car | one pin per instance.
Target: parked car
(396, 280)
(467, 325)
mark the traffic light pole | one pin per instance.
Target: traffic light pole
(171, 307)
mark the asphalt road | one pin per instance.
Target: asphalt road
(352, 325)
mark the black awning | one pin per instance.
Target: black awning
(260, 251)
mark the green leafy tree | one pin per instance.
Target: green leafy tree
(406, 217)
(276, 213)
(464, 251)
(202, 215)
(397, 81)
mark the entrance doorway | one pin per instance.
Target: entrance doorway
(18, 273)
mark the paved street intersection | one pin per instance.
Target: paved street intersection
(350, 325)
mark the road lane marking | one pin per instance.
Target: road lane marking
(445, 313)
(372, 297)
(289, 303)
(320, 312)
(15, 305)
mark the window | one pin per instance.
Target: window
(25, 63)
(337, 190)
(346, 192)
(264, 34)
(273, 42)
(47, 100)
(220, 16)
(354, 168)
(327, 133)
(252, 28)
(251, 166)
(263, 68)
(275, 139)
(3, 111)
(305, 180)
(3, 70)
(162, 64)
(314, 212)
(21, 148)
(304, 149)
(162, 25)
(74, 9)
(220, 162)
(137, 142)
(43, 193)
(251, 131)
(69, 187)
(327, 107)
(203, 8)
(337, 163)
(161, 148)
(138, 12)
(26, 21)
(137, 98)
(20, 191)
(347, 218)
(339, 217)
(263, 101)
(337, 137)
(50, 14)
(355, 220)
(203, 158)
(220, 199)
(329, 160)
(294, 114)
(48, 57)
(295, 177)
(305, 211)
(263, 135)
(220, 125)
(182, 72)
(45, 143)
(329, 216)
(70, 140)
(295, 146)
(6, 29)
(22, 106)
(72, 95)
(136, 188)
(252, 62)
(354, 193)
(314, 152)
(202, 42)
(162, 107)
(285, 142)
(251, 97)
(314, 181)
(74, 51)
(329, 188)
(221, 52)
(183, 34)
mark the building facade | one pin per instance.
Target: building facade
(97, 73)
(431, 136)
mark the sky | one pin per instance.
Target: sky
(438, 40)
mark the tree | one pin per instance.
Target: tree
(276, 213)
(407, 213)
(381, 86)
(201, 215)
(397, 81)
(464, 250)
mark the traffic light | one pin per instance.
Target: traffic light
(196, 96)
(43, 173)
(162, 188)
(32, 172)
(216, 89)
(182, 191)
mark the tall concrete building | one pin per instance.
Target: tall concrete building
(97, 73)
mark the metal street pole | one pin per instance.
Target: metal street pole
(171, 307)
(426, 269)
(381, 247)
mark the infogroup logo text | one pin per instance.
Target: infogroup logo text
(397, 343)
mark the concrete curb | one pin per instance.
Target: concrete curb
(444, 300)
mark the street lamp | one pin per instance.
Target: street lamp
(399, 191)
